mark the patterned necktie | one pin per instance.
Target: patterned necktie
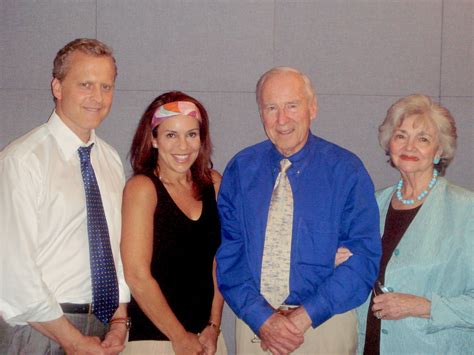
(105, 297)
(275, 277)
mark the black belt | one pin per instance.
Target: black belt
(76, 308)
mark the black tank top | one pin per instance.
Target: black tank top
(183, 254)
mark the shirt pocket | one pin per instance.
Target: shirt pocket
(316, 244)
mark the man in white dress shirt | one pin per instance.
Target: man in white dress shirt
(45, 271)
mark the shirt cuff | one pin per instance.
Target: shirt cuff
(257, 314)
(317, 309)
(40, 312)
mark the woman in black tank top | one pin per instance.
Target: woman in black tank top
(171, 231)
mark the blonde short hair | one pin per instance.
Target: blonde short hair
(89, 46)
(422, 106)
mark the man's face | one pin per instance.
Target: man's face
(286, 111)
(84, 96)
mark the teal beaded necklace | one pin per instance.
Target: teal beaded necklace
(420, 196)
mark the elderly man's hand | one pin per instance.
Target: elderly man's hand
(279, 335)
(300, 318)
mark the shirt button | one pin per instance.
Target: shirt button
(396, 252)
(384, 331)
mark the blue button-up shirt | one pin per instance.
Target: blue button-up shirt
(334, 206)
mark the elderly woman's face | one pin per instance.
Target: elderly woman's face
(414, 144)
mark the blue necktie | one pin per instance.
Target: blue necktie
(105, 297)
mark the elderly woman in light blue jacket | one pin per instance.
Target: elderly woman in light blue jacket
(423, 300)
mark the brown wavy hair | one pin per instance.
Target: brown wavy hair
(144, 158)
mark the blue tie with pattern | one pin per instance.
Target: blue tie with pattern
(105, 297)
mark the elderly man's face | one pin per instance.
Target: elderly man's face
(286, 111)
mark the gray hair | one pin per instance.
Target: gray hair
(276, 70)
(422, 106)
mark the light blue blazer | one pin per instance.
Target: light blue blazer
(435, 260)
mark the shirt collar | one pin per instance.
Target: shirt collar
(67, 140)
(298, 160)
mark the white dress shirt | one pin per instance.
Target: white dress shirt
(44, 247)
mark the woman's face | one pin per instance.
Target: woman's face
(178, 143)
(414, 144)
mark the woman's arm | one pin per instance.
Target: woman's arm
(139, 203)
(210, 333)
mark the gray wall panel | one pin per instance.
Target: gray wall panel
(461, 170)
(235, 123)
(21, 111)
(458, 48)
(33, 32)
(352, 122)
(362, 47)
(191, 45)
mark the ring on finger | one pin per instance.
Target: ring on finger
(378, 315)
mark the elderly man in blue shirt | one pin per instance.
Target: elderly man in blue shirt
(282, 226)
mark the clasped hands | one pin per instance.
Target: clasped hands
(283, 332)
(204, 343)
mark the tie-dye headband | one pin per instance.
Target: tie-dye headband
(174, 109)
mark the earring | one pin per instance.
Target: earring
(436, 160)
(155, 145)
